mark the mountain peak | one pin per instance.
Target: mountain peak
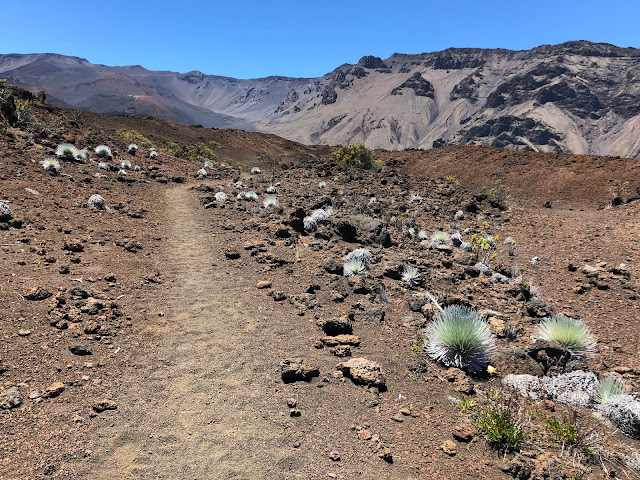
(578, 96)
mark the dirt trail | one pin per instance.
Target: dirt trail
(199, 413)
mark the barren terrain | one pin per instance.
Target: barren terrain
(151, 339)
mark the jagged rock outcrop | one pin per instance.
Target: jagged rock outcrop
(578, 97)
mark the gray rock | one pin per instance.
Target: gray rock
(416, 302)
(573, 388)
(5, 212)
(38, 293)
(10, 399)
(499, 278)
(525, 385)
(96, 202)
(549, 354)
(295, 369)
(483, 268)
(103, 405)
(516, 361)
(374, 315)
(80, 350)
(466, 246)
(81, 292)
(624, 412)
(456, 239)
(336, 326)
(459, 215)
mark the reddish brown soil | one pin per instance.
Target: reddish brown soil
(566, 181)
(189, 349)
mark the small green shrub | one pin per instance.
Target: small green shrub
(135, 137)
(197, 152)
(500, 426)
(418, 345)
(498, 195)
(566, 431)
(355, 156)
(467, 405)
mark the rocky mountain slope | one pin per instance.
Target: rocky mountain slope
(577, 97)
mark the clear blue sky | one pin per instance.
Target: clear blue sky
(246, 39)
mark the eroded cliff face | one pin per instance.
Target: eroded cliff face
(578, 97)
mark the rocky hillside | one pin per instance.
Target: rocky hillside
(577, 97)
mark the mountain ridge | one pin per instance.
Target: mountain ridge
(578, 97)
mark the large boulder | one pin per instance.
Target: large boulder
(624, 412)
(364, 372)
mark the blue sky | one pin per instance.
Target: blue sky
(302, 38)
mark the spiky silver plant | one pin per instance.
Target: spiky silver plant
(411, 276)
(103, 166)
(51, 165)
(320, 215)
(373, 200)
(251, 196)
(608, 388)
(81, 156)
(122, 173)
(125, 165)
(65, 151)
(271, 189)
(153, 154)
(132, 148)
(440, 238)
(359, 254)
(459, 337)
(310, 224)
(353, 267)
(322, 184)
(103, 151)
(569, 332)
(220, 197)
(270, 202)
(255, 170)
(423, 235)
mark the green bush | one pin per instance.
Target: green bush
(135, 137)
(500, 426)
(567, 432)
(355, 156)
(197, 152)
